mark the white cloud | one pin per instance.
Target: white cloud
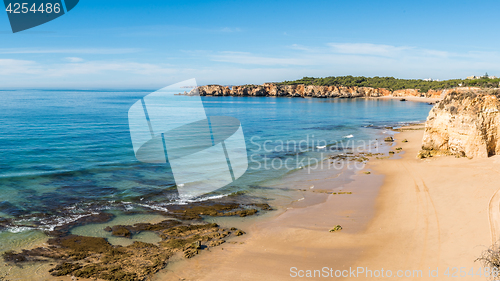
(251, 59)
(105, 67)
(77, 66)
(367, 59)
(230, 67)
(11, 67)
(95, 51)
(367, 49)
(74, 59)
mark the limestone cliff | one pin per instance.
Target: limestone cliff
(465, 124)
(303, 91)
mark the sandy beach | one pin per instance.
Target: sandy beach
(429, 215)
(410, 98)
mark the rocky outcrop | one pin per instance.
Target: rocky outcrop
(301, 91)
(310, 91)
(465, 124)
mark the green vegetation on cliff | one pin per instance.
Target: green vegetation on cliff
(394, 84)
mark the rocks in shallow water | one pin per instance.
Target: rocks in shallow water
(405, 140)
(336, 228)
(77, 244)
(92, 257)
(389, 139)
(65, 269)
(197, 210)
(63, 230)
(11, 256)
(120, 231)
(361, 157)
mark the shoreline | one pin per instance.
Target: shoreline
(426, 215)
(318, 197)
(374, 218)
(299, 234)
(312, 198)
(412, 98)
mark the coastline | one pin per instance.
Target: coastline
(91, 225)
(413, 99)
(407, 214)
(425, 216)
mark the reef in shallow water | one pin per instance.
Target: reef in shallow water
(91, 257)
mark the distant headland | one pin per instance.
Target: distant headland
(353, 87)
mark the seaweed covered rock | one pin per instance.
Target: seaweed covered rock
(93, 257)
(197, 210)
(120, 231)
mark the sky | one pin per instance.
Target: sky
(150, 44)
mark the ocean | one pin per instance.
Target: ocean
(65, 154)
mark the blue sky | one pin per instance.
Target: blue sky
(151, 44)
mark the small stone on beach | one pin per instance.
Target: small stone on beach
(336, 228)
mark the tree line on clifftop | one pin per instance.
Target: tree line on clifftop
(394, 84)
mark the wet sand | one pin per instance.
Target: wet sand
(429, 214)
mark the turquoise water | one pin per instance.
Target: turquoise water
(67, 154)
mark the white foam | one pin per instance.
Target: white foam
(19, 229)
(349, 136)
(184, 201)
(153, 207)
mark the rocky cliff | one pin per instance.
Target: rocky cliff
(303, 91)
(465, 124)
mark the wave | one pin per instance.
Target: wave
(19, 229)
(348, 136)
(153, 207)
(185, 201)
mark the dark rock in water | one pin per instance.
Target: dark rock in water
(64, 229)
(197, 210)
(166, 224)
(77, 243)
(121, 231)
(389, 139)
(4, 222)
(11, 209)
(11, 256)
(96, 258)
(262, 206)
(402, 99)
